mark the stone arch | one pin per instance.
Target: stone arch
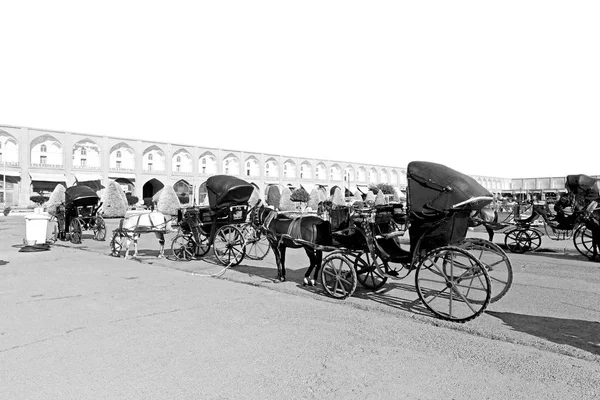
(87, 154)
(121, 157)
(394, 181)
(231, 164)
(252, 166)
(373, 175)
(289, 169)
(321, 171)
(154, 159)
(151, 187)
(306, 170)
(349, 175)
(383, 176)
(271, 168)
(207, 163)
(182, 161)
(9, 148)
(335, 172)
(361, 174)
(46, 150)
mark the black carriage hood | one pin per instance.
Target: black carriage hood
(436, 186)
(80, 196)
(224, 191)
(583, 185)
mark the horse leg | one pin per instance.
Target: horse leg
(135, 244)
(311, 256)
(316, 261)
(127, 240)
(281, 273)
(490, 233)
(161, 240)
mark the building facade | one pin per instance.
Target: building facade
(34, 161)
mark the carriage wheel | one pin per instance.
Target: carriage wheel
(115, 245)
(582, 238)
(522, 240)
(369, 271)
(229, 245)
(99, 228)
(183, 247)
(257, 244)
(338, 276)
(496, 262)
(75, 231)
(453, 284)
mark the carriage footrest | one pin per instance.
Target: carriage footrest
(391, 235)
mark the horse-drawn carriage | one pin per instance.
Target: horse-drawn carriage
(565, 222)
(79, 213)
(366, 245)
(222, 225)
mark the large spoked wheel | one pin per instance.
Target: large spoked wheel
(496, 262)
(75, 231)
(183, 247)
(453, 284)
(582, 238)
(115, 245)
(229, 245)
(369, 272)
(338, 276)
(99, 228)
(522, 240)
(257, 244)
(202, 243)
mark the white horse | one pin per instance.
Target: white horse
(130, 229)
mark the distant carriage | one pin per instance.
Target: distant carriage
(564, 222)
(79, 213)
(221, 226)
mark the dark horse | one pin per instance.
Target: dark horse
(591, 219)
(308, 232)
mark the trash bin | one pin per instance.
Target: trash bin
(36, 226)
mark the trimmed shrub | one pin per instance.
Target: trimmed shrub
(168, 202)
(380, 199)
(358, 196)
(254, 197)
(148, 202)
(273, 196)
(39, 199)
(370, 196)
(114, 201)
(131, 200)
(285, 202)
(56, 198)
(322, 193)
(300, 195)
(337, 199)
(7, 210)
(313, 201)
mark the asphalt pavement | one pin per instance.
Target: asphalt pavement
(78, 323)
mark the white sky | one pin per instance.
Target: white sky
(505, 88)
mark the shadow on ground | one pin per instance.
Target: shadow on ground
(581, 334)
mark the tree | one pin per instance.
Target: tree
(313, 201)
(131, 200)
(273, 196)
(285, 202)
(370, 196)
(254, 197)
(358, 196)
(114, 202)
(168, 202)
(56, 198)
(301, 197)
(380, 198)
(384, 187)
(337, 199)
(39, 199)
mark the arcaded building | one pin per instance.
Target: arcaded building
(34, 161)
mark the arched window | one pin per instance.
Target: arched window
(83, 151)
(43, 148)
(118, 153)
(178, 158)
(149, 157)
